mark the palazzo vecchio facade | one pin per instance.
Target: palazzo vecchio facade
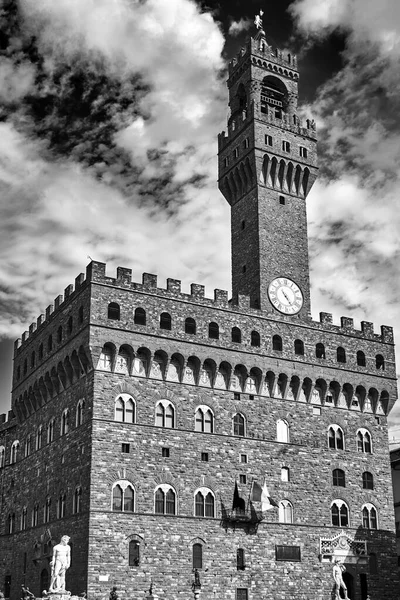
(165, 431)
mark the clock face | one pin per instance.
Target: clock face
(285, 295)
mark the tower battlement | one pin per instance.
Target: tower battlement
(258, 46)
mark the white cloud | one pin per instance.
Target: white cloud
(237, 27)
(15, 82)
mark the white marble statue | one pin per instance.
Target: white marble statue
(338, 570)
(59, 564)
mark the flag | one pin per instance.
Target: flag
(256, 492)
(266, 501)
(238, 502)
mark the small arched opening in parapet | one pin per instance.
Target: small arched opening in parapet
(113, 311)
(236, 335)
(320, 390)
(106, 360)
(253, 381)
(299, 347)
(281, 173)
(380, 362)
(293, 388)
(139, 316)
(371, 400)
(255, 339)
(123, 364)
(333, 393)
(207, 373)
(159, 364)
(272, 172)
(297, 179)
(306, 389)
(273, 93)
(277, 343)
(360, 394)
(141, 362)
(264, 170)
(270, 383)
(361, 359)
(289, 177)
(281, 385)
(165, 321)
(190, 326)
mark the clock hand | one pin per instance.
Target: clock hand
(286, 296)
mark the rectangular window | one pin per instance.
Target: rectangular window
(284, 474)
(226, 162)
(303, 152)
(282, 200)
(328, 399)
(236, 396)
(204, 456)
(268, 140)
(240, 560)
(316, 411)
(291, 553)
(134, 553)
(241, 594)
(243, 458)
(246, 143)
(165, 452)
(125, 448)
(236, 153)
(285, 146)
(242, 478)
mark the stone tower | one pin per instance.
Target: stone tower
(267, 165)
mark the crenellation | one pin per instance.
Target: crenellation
(124, 275)
(32, 328)
(25, 336)
(96, 271)
(79, 281)
(49, 311)
(326, 318)
(221, 297)
(387, 334)
(149, 281)
(243, 301)
(174, 285)
(69, 290)
(40, 320)
(197, 291)
(347, 323)
(58, 301)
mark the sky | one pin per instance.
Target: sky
(109, 116)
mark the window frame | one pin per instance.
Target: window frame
(165, 489)
(123, 485)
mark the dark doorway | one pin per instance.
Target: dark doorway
(44, 580)
(7, 586)
(364, 586)
(349, 581)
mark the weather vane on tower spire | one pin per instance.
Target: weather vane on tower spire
(258, 22)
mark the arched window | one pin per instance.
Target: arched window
(165, 321)
(369, 517)
(335, 437)
(123, 497)
(240, 559)
(341, 355)
(368, 480)
(238, 425)
(80, 315)
(277, 343)
(236, 335)
(25, 366)
(70, 325)
(11, 523)
(165, 500)
(204, 503)
(299, 347)
(77, 501)
(35, 515)
(204, 420)
(39, 437)
(47, 510)
(106, 358)
(14, 452)
(213, 331)
(339, 513)
(380, 362)
(2, 456)
(139, 316)
(79, 413)
(113, 311)
(61, 506)
(255, 339)
(24, 518)
(50, 431)
(285, 512)
(165, 414)
(28, 445)
(33, 359)
(18, 373)
(361, 359)
(197, 556)
(59, 335)
(49, 343)
(282, 431)
(134, 553)
(41, 352)
(190, 326)
(320, 351)
(64, 422)
(338, 477)
(125, 409)
(364, 441)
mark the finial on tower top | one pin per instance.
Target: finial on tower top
(258, 20)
